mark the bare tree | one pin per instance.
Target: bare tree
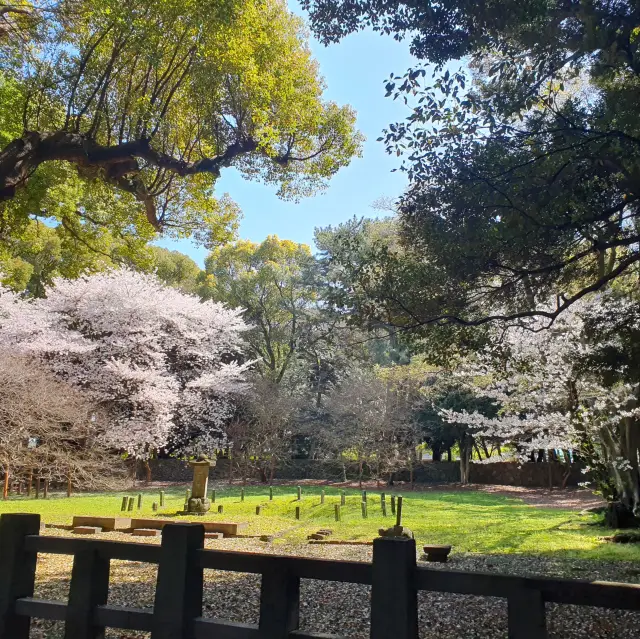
(48, 430)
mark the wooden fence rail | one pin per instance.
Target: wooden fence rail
(394, 577)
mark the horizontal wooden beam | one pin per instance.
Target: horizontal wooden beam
(41, 608)
(357, 572)
(123, 617)
(125, 551)
(600, 594)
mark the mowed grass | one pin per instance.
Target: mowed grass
(471, 522)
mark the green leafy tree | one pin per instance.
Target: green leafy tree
(123, 115)
(524, 168)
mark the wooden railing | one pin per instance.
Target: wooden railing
(393, 576)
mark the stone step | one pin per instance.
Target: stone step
(146, 532)
(106, 523)
(87, 530)
(437, 553)
(227, 528)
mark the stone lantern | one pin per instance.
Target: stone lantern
(198, 503)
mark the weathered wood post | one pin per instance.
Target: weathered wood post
(279, 603)
(154, 506)
(383, 504)
(131, 504)
(364, 495)
(394, 597)
(322, 497)
(399, 512)
(89, 588)
(364, 509)
(220, 509)
(139, 501)
(162, 499)
(258, 510)
(297, 512)
(270, 493)
(18, 573)
(213, 496)
(299, 493)
(125, 503)
(242, 494)
(393, 504)
(526, 615)
(337, 512)
(178, 600)
(343, 499)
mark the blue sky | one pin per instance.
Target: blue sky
(354, 70)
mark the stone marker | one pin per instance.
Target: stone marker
(220, 509)
(393, 504)
(343, 499)
(125, 502)
(146, 532)
(198, 504)
(108, 524)
(297, 512)
(270, 493)
(383, 499)
(299, 493)
(139, 501)
(437, 553)
(213, 496)
(384, 508)
(86, 530)
(364, 495)
(364, 510)
(242, 494)
(337, 512)
(162, 499)
(322, 497)
(131, 504)
(258, 510)
(154, 506)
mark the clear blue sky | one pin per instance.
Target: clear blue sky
(354, 70)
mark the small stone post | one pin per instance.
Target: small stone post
(154, 506)
(297, 512)
(213, 496)
(399, 513)
(258, 510)
(393, 504)
(139, 501)
(162, 499)
(364, 495)
(343, 499)
(242, 494)
(270, 493)
(220, 509)
(364, 509)
(132, 502)
(322, 497)
(125, 502)
(299, 493)
(337, 511)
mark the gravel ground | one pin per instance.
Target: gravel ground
(343, 609)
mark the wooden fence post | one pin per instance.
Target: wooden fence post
(394, 597)
(89, 588)
(526, 614)
(18, 572)
(178, 599)
(279, 603)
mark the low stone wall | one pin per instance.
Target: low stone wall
(533, 475)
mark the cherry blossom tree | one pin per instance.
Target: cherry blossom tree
(574, 385)
(163, 364)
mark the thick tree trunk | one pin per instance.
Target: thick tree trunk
(466, 444)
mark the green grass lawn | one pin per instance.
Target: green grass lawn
(471, 522)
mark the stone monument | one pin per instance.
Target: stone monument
(198, 503)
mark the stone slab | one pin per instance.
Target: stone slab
(146, 532)
(86, 530)
(213, 535)
(227, 528)
(108, 524)
(340, 542)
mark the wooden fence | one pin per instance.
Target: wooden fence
(393, 576)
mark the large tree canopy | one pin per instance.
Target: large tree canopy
(121, 114)
(525, 167)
